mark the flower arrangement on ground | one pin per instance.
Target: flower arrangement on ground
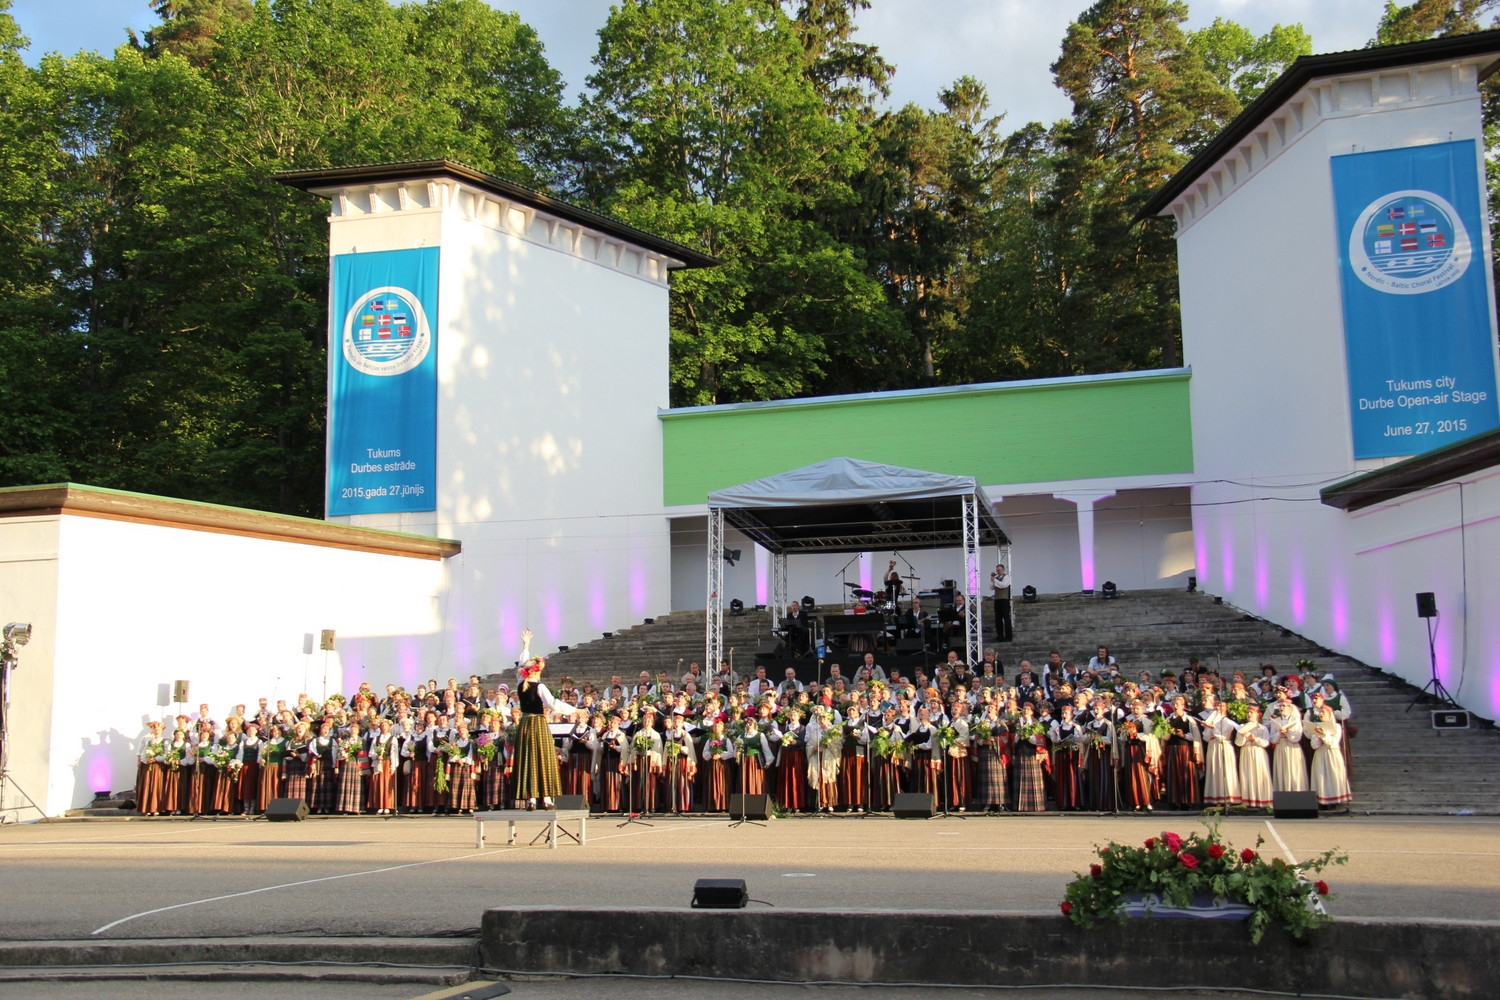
(1179, 868)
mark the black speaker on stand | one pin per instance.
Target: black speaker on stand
(1427, 611)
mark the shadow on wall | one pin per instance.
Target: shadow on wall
(106, 763)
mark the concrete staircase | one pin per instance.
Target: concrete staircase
(1401, 764)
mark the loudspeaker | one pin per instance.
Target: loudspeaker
(914, 805)
(326, 642)
(1294, 805)
(769, 648)
(720, 893)
(180, 691)
(571, 802)
(749, 806)
(1450, 718)
(908, 645)
(286, 810)
(1427, 604)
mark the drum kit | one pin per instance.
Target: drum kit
(881, 602)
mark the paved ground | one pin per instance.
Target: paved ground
(420, 877)
(584, 989)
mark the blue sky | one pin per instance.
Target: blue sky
(1006, 43)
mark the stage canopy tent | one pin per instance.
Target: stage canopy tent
(849, 505)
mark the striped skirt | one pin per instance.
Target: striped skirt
(1031, 788)
(989, 778)
(294, 777)
(535, 770)
(351, 788)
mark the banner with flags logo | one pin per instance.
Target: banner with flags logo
(382, 405)
(1419, 324)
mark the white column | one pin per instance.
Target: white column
(1085, 504)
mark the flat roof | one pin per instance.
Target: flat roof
(1420, 472)
(142, 508)
(322, 182)
(1297, 76)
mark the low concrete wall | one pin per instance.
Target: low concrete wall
(1367, 958)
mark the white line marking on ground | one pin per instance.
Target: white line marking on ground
(1285, 850)
(490, 852)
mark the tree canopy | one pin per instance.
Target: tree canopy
(167, 326)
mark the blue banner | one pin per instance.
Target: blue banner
(1418, 326)
(382, 409)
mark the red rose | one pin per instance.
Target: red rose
(1150, 843)
(1097, 871)
(1189, 861)
(1247, 855)
(1321, 886)
(1174, 842)
(1215, 851)
(1066, 907)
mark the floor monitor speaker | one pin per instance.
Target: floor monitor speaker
(720, 893)
(286, 810)
(570, 802)
(770, 648)
(749, 806)
(914, 805)
(1294, 805)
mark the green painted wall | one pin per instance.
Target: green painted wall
(1045, 431)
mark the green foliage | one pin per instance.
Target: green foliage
(1177, 869)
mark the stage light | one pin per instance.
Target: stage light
(1192, 584)
(1028, 594)
(18, 633)
(808, 604)
(736, 607)
(731, 556)
(1109, 591)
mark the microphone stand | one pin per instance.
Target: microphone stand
(630, 814)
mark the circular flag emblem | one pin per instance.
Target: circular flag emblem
(1409, 242)
(386, 332)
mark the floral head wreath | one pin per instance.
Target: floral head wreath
(532, 668)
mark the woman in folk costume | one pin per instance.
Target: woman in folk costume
(1330, 781)
(462, 762)
(489, 787)
(681, 763)
(151, 771)
(755, 751)
(957, 759)
(179, 782)
(1342, 710)
(718, 764)
(1221, 775)
(322, 778)
(351, 763)
(989, 750)
(578, 758)
(385, 754)
(1284, 722)
(647, 765)
(610, 753)
(294, 763)
(272, 752)
(1255, 763)
(205, 775)
(534, 771)
(925, 762)
(1137, 784)
(791, 791)
(415, 792)
(1183, 754)
(248, 779)
(1067, 739)
(825, 743)
(1031, 747)
(226, 788)
(1099, 758)
(887, 780)
(854, 776)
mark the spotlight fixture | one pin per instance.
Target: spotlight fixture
(731, 556)
(1192, 584)
(648, 621)
(1109, 591)
(18, 633)
(808, 604)
(1028, 594)
(736, 607)
(562, 649)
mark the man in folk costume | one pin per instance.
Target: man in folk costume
(534, 769)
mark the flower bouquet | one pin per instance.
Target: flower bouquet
(174, 757)
(791, 740)
(1031, 731)
(674, 749)
(1176, 870)
(1161, 728)
(641, 743)
(750, 747)
(981, 733)
(1239, 711)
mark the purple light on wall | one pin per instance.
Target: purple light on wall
(1338, 608)
(552, 615)
(409, 663)
(1386, 631)
(1088, 571)
(762, 580)
(1262, 577)
(1298, 589)
(461, 634)
(1226, 555)
(1442, 650)
(1200, 551)
(101, 774)
(508, 625)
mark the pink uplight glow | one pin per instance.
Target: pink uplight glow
(1338, 606)
(639, 585)
(1442, 650)
(101, 774)
(1226, 555)
(598, 603)
(409, 662)
(1088, 572)
(1262, 576)
(552, 615)
(1386, 631)
(762, 576)
(1298, 590)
